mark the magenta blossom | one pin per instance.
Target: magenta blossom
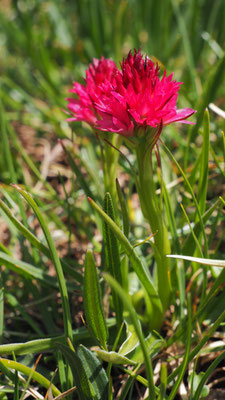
(83, 107)
(137, 99)
(128, 101)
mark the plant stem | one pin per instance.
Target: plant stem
(152, 212)
(111, 162)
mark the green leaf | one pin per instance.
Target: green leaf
(114, 358)
(95, 372)
(195, 380)
(93, 309)
(9, 364)
(84, 386)
(132, 313)
(153, 346)
(112, 257)
(156, 312)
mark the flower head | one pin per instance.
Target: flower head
(83, 107)
(132, 101)
(137, 98)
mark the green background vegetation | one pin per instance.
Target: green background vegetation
(44, 47)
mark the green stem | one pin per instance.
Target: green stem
(152, 212)
(111, 162)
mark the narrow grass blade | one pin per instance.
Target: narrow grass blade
(157, 313)
(198, 246)
(189, 245)
(200, 345)
(56, 261)
(170, 216)
(207, 374)
(27, 371)
(93, 308)
(184, 364)
(16, 383)
(204, 165)
(123, 205)
(192, 195)
(62, 371)
(112, 256)
(127, 304)
(36, 243)
(163, 382)
(203, 261)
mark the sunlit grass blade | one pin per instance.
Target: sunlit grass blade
(112, 256)
(203, 261)
(93, 308)
(156, 311)
(28, 371)
(128, 305)
(36, 243)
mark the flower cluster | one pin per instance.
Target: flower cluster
(83, 108)
(127, 100)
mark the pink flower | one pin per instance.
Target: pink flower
(137, 99)
(83, 107)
